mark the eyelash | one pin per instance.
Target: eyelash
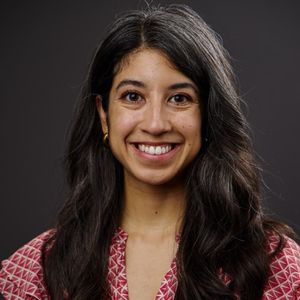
(127, 93)
(187, 98)
(124, 95)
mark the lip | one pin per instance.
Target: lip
(154, 143)
(158, 157)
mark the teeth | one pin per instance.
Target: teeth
(158, 150)
(154, 150)
(151, 150)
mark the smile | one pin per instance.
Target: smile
(154, 150)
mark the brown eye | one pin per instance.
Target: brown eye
(179, 99)
(132, 96)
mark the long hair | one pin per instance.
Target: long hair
(224, 230)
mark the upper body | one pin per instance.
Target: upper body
(160, 147)
(21, 276)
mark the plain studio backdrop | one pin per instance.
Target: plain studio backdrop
(45, 49)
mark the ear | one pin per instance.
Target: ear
(102, 114)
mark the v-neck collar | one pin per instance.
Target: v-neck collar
(117, 271)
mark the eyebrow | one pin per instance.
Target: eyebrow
(130, 82)
(174, 86)
(183, 85)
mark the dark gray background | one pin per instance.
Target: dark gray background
(45, 49)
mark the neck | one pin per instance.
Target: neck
(155, 210)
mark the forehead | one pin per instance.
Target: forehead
(149, 65)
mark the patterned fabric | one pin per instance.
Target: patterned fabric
(284, 279)
(21, 276)
(117, 272)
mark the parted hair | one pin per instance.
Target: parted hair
(224, 229)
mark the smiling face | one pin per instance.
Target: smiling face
(154, 118)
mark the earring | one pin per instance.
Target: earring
(105, 139)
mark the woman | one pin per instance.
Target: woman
(164, 198)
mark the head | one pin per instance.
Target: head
(190, 48)
(153, 119)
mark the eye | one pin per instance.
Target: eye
(180, 99)
(131, 96)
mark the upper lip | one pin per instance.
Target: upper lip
(154, 143)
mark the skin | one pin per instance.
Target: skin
(151, 103)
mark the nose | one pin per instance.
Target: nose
(156, 119)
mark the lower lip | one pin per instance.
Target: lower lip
(158, 157)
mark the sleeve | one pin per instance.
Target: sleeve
(21, 275)
(9, 290)
(284, 277)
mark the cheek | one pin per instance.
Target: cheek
(193, 134)
(191, 128)
(121, 125)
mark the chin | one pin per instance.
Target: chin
(157, 180)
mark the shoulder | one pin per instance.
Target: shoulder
(21, 275)
(284, 277)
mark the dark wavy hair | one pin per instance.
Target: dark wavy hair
(223, 228)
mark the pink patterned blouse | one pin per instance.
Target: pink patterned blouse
(21, 276)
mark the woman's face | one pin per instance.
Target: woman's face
(154, 118)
